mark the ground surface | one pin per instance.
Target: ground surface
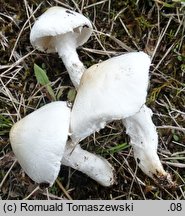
(158, 28)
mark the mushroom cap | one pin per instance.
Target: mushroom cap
(111, 90)
(57, 21)
(38, 141)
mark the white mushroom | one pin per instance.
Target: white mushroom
(39, 139)
(144, 139)
(113, 89)
(62, 30)
(117, 89)
(39, 143)
(92, 165)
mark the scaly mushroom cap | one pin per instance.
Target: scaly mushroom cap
(113, 89)
(38, 141)
(57, 21)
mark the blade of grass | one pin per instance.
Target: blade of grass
(43, 79)
(114, 149)
(5, 125)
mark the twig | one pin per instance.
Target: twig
(171, 127)
(2, 182)
(160, 38)
(63, 189)
(27, 21)
(36, 189)
(94, 4)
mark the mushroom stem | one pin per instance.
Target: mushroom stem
(144, 140)
(92, 165)
(65, 45)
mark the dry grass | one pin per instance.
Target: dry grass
(119, 26)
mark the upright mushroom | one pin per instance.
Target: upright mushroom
(117, 89)
(39, 143)
(61, 30)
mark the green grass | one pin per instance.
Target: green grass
(112, 150)
(43, 79)
(5, 125)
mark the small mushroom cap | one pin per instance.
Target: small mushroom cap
(57, 21)
(111, 90)
(38, 141)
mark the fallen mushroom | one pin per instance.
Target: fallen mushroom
(62, 30)
(96, 167)
(110, 90)
(117, 89)
(39, 143)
